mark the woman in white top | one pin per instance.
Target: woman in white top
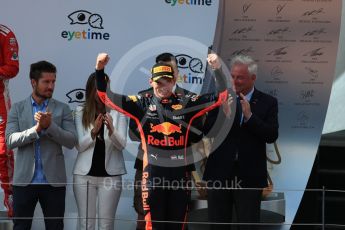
(100, 164)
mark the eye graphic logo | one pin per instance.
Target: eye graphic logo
(185, 61)
(91, 27)
(76, 95)
(86, 17)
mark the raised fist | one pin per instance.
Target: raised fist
(102, 60)
(213, 61)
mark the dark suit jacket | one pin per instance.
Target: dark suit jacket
(249, 141)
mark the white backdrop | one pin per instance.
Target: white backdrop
(61, 32)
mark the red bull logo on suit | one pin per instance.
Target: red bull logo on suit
(167, 129)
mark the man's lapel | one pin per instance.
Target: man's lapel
(51, 105)
(27, 114)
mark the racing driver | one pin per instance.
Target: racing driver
(164, 121)
(9, 67)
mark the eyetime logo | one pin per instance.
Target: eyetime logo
(94, 22)
(185, 61)
(194, 67)
(189, 2)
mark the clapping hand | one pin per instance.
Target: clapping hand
(246, 110)
(227, 106)
(43, 120)
(97, 126)
(108, 121)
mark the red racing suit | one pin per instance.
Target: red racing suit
(9, 67)
(165, 131)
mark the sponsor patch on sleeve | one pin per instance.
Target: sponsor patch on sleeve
(14, 56)
(176, 107)
(194, 97)
(13, 41)
(133, 98)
